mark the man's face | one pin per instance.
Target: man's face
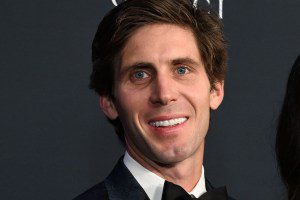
(162, 94)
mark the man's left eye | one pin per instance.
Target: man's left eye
(182, 70)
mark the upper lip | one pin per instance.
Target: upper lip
(166, 117)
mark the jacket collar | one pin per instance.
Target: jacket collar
(121, 184)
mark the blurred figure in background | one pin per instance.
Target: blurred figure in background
(288, 135)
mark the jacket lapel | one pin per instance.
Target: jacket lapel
(121, 184)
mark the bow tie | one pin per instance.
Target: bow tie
(175, 192)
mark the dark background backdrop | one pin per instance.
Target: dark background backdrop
(55, 142)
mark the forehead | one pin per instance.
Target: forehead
(160, 42)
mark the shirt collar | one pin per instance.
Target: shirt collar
(152, 183)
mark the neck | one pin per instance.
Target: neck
(185, 173)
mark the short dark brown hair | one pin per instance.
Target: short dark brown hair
(121, 23)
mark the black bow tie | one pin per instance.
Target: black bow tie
(175, 192)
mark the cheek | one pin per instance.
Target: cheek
(199, 97)
(130, 102)
(130, 109)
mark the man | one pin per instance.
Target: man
(159, 67)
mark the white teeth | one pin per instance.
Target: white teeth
(171, 122)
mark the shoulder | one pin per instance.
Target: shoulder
(106, 188)
(97, 192)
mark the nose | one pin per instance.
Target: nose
(164, 91)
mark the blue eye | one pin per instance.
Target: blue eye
(182, 70)
(140, 75)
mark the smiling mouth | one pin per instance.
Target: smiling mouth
(168, 123)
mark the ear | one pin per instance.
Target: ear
(216, 95)
(108, 107)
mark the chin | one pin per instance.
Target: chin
(173, 155)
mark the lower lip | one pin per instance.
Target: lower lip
(168, 130)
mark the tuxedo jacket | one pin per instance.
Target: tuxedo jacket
(120, 185)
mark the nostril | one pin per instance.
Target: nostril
(161, 100)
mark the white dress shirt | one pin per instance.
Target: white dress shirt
(152, 183)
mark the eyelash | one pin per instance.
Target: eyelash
(141, 79)
(183, 67)
(141, 72)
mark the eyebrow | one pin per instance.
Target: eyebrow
(185, 60)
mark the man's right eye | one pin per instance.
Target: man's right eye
(138, 75)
